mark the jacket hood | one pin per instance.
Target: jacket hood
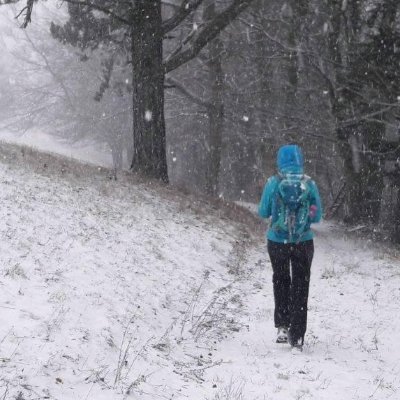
(290, 159)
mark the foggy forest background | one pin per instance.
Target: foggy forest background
(320, 73)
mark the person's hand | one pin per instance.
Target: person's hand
(313, 211)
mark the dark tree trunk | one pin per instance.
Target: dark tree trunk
(354, 190)
(396, 222)
(266, 103)
(341, 106)
(298, 10)
(148, 90)
(216, 108)
(362, 169)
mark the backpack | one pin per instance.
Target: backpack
(292, 206)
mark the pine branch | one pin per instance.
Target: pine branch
(27, 10)
(108, 67)
(5, 2)
(104, 10)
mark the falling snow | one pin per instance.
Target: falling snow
(115, 267)
(117, 287)
(148, 115)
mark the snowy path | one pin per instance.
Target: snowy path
(350, 351)
(112, 290)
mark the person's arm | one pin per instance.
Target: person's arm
(264, 208)
(316, 204)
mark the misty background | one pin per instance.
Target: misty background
(323, 74)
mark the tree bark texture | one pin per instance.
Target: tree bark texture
(343, 104)
(216, 109)
(148, 90)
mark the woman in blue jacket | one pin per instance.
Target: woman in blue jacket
(292, 201)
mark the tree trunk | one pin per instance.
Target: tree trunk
(354, 190)
(148, 90)
(396, 222)
(341, 106)
(297, 16)
(216, 109)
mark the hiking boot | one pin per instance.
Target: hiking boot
(295, 350)
(297, 345)
(282, 336)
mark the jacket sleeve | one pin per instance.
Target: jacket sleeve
(316, 201)
(265, 206)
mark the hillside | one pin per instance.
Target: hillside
(125, 289)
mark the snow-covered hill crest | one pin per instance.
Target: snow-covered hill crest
(109, 288)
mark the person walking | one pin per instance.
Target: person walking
(291, 200)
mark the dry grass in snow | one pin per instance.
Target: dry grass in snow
(123, 290)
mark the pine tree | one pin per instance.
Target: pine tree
(133, 33)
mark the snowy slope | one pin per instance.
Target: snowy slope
(114, 290)
(82, 151)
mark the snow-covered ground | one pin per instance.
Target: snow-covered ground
(114, 290)
(87, 152)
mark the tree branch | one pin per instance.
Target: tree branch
(29, 7)
(27, 10)
(48, 66)
(187, 93)
(105, 10)
(168, 3)
(365, 117)
(5, 2)
(185, 9)
(181, 45)
(205, 35)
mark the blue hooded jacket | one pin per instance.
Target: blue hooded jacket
(289, 161)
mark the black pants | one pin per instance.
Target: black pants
(291, 264)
